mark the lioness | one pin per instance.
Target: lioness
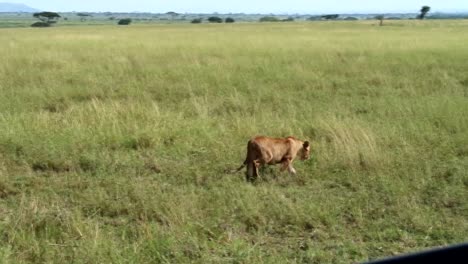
(263, 150)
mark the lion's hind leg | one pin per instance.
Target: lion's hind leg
(252, 170)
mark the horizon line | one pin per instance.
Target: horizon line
(256, 13)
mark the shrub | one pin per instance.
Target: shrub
(41, 24)
(215, 19)
(125, 21)
(229, 20)
(331, 17)
(196, 21)
(269, 19)
(289, 19)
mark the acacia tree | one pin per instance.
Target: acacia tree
(380, 18)
(424, 10)
(47, 17)
(172, 14)
(83, 16)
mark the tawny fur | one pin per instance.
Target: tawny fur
(263, 150)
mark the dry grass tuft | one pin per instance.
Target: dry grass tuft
(347, 144)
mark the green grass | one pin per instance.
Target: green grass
(114, 142)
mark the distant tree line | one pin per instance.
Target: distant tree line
(275, 19)
(214, 19)
(327, 17)
(47, 19)
(330, 17)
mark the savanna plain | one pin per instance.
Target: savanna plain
(114, 141)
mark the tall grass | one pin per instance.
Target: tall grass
(114, 142)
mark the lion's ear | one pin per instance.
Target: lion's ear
(306, 144)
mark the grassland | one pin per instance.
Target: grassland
(114, 142)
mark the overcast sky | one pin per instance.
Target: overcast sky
(246, 6)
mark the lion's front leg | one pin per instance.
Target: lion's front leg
(291, 169)
(286, 163)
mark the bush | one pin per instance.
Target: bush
(196, 21)
(331, 17)
(125, 21)
(41, 24)
(229, 20)
(214, 19)
(269, 19)
(289, 19)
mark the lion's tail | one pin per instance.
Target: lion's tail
(240, 168)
